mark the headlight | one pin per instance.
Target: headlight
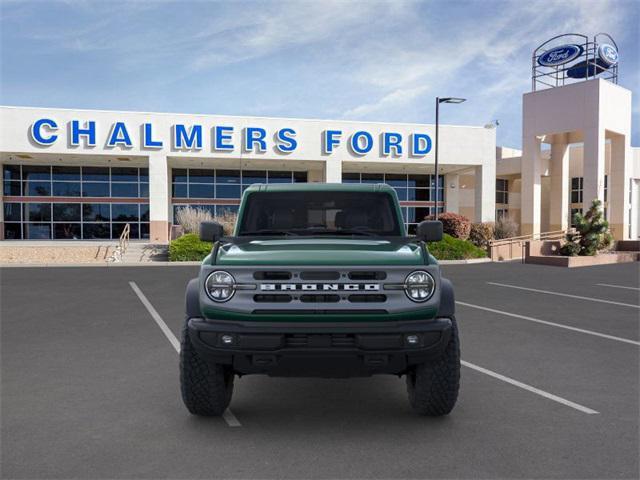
(419, 286)
(220, 286)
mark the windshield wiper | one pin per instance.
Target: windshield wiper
(267, 231)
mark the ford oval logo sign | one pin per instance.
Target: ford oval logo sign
(560, 55)
(608, 54)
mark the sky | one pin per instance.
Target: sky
(372, 60)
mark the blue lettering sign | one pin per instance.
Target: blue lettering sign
(420, 144)
(222, 137)
(391, 140)
(186, 139)
(359, 147)
(37, 134)
(89, 131)
(560, 55)
(286, 141)
(330, 139)
(253, 136)
(608, 54)
(119, 136)
(147, 137)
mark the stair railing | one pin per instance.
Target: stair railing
(519, 243)
(123, 244)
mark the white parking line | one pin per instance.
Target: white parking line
(617, 286)
(531, 389)
(545, 322)
(600, 300)
(228, 415)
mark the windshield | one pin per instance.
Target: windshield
(320, 213)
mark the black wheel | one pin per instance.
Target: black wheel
(206, 387)
(433, 386)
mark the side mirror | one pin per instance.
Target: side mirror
(429, 231)
(211, 231)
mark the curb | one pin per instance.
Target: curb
(99, 265)
(464, 262)
(175, 264)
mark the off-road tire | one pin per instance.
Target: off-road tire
(433, 386)
(206, 387)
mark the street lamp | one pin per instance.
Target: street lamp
(438, 102)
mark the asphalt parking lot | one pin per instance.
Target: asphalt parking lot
(550, 386)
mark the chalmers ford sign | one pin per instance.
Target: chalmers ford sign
(196, 137)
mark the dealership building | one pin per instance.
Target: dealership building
(85, 174)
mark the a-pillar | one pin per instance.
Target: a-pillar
(531, 186)
(1, 212)
(559, 196)
(333, 170)
(593, 167)
(618, 188)
(485, 192)
(452, 195)
(159, 198)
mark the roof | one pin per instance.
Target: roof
(320, 187)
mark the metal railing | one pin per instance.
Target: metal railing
(521, 241)
(123, 244)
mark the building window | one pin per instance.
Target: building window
(65, 214)
(202, 185)
(606, 187)
(502, 213)
(502, 191)
(409, 188)
(576, 189)
(414, 215)
(573, 212)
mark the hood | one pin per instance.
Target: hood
(321, 251)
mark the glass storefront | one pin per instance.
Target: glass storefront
(203, 186)
(63, 212)
(420, 190)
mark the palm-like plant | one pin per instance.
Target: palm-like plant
(591, 233)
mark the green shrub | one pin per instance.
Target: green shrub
(505, 227)
(450, 248)
(457, 226)
(481, 234)
(188, 248)
(591, 235)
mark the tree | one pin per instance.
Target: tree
(591, 235)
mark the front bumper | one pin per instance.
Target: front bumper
(319, 349)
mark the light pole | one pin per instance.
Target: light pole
(438, 102)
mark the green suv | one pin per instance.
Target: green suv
(320, 280)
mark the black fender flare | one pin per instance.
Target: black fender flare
(447, 306)
(192, 299)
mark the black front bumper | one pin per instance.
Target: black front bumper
(319, 349)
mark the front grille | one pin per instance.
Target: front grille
(319, 298)
(319, 275)
(367, 275)
(276, 275)
(320, 341)
(367, 298)
(276, 298)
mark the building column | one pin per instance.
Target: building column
(593, 167)
(531, 186)
(451, 192)
(333, 170)
(485, 192)
(559, 196)
(159, 198)
(618, 188)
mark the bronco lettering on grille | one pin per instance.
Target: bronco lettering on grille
(314, 287)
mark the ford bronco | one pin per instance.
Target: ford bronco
(320, 280)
